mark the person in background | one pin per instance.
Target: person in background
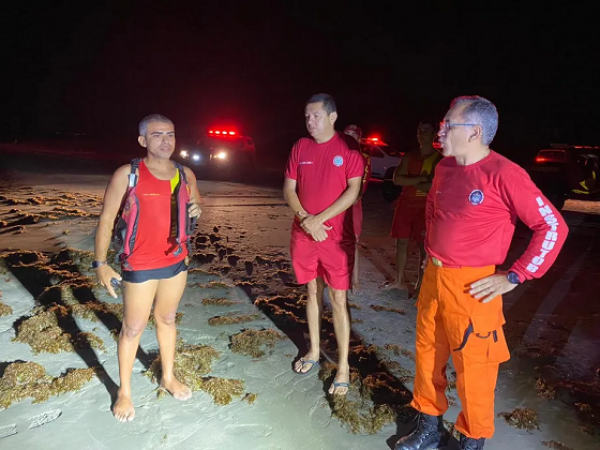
(415, 173)
(357, 211)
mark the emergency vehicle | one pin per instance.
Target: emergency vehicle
(221, 148)
(383, 157)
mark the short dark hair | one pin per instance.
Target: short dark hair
(143, 126)
(433, 125)
(326, 99)
(481, 111)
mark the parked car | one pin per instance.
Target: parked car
(383, 157)
(565, 171)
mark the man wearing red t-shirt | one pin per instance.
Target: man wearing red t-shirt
(472, 209)
(357, 211)
(322, 180)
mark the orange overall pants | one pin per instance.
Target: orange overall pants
(450, 322)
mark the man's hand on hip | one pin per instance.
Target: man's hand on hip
(491, 287)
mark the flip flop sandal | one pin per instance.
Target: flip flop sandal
(306, 361)
(340, 384)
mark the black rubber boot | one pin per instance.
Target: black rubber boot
(467, 443)
(429, 435)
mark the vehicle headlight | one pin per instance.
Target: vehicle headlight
(184, 153)
(221, 155)
(196, 157)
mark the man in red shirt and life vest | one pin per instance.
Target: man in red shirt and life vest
(415, 172)
(357, 211)
(159, 197)
(323, 179)
(474, 203)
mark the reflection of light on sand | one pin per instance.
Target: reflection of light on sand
(556, 295)
(583, 206)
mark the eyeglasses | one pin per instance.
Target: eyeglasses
(445, 126)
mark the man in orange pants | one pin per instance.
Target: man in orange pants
(472, 208)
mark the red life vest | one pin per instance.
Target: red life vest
(126, 226)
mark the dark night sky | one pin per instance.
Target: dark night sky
(99, 67)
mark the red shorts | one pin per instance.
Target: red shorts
(331, 260)
(409, 222)
(357, 218)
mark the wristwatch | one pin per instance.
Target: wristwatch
(96, 264)
(513, 278)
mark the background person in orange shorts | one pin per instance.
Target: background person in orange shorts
(476, 198)
(357, 211)
(322, 180)
(415, 172)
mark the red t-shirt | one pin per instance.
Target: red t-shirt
(322, 172)
(155, 238)
(472, 212)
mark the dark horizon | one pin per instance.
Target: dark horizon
(99, 69)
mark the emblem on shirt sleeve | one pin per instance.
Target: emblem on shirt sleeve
(476, 197)
(338, 161)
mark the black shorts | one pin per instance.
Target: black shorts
(140, 276)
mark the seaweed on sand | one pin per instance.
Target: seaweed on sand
(361, 418)
(357, 410)
(221, 301)
(232, 319)
(388, 309)
(42, 333)
(555, 445)
(223, 390)
(5, 310)
(23, 380)
(250, 342)
(85, 339)
(523, 418)
(192, 362)
(250, 398)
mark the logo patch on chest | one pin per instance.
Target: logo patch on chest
(476, 197)
(338, 161)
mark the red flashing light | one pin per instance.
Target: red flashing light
(222, 132)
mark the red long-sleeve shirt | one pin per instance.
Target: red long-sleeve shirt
(472, 211)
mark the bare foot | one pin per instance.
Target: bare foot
(395, 285)
(123, 409)
(177, 389)
(305, 364)
(341, 383)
